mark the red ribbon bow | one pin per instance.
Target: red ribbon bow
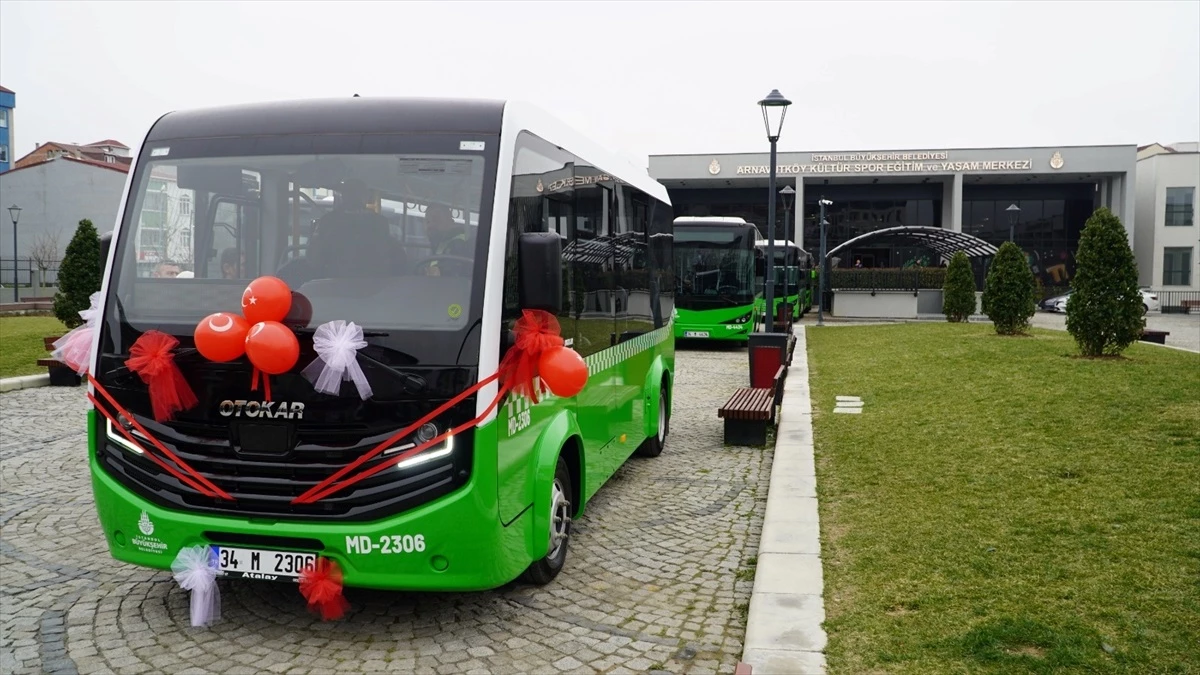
(537, 332)
(151, 358)
(321, 586)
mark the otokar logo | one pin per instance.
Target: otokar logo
(265, 409)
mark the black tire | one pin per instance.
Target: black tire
(1145, 310)
(543, 571)
(653, 446)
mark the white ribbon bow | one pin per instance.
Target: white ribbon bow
(337, 344)
(195, 571)
(75, 348)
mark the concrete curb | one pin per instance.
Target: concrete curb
(784, 632)
(25, 382)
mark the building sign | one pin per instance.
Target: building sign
(888, 162)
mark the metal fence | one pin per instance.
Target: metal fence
(1178, 302)
(29, 275)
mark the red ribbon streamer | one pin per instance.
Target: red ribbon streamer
(199, 484)
(321, 586)
(151, 358)
(536, 331)
(266, 379)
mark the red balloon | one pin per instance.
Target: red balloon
(272, 348)
(301, 312)
(563, 370)
(221, 337)
(266, 299)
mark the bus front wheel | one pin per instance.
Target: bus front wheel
(543, 571)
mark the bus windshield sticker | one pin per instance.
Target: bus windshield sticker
(454, 311)
(160, 152)
(471, 145)
(426, 166)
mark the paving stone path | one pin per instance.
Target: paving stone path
(651, 582)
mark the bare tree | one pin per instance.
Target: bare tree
(45, 250)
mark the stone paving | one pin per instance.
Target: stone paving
(657, 578)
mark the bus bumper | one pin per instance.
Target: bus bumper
(733, 332)
(462, 545)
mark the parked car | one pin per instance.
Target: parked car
(1059, 303)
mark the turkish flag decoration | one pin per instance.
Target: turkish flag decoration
(151, 359)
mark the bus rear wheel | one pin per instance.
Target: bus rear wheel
(543, 571)
(653, 446)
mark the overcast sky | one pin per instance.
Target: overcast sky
(643, 78)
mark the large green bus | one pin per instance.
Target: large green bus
(715, 278)
(793, 277)
(447, 220)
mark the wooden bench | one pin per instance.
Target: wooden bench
(1156, 336)
(749, 411)
(61, 374)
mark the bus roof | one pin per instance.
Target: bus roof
(710, 220)
(368, 115)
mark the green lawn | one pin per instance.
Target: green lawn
(1002, 507)
(21, 343)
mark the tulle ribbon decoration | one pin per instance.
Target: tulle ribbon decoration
(321, 586)
(537, 360)
(337, 344)
(195, 570)
(75, 348)
(536, 332)
(151, 358)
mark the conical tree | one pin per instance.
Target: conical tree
(958, 291)
(79, 275)
(1104, 311)
(1009, 298)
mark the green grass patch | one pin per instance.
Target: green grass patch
(21, 343)
(1004, 507)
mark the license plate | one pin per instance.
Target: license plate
(695, 333)
(251, 563)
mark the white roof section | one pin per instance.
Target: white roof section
(526, 116)
(733, 220)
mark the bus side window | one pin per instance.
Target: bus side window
(541, 201)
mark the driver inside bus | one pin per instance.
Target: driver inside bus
(446, 238)
(352, 241)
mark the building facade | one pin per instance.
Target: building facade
(1038, 197)
(8, 104)
(1168, 222)
(53, 197)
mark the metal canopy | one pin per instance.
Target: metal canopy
(940, 241)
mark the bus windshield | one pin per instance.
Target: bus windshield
(714, 267)
(387, 241)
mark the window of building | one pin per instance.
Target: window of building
(185, 205)
(1177, 266)
(1180, 206)
(3, 153)
(3, 117)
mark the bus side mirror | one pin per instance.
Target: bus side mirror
(105, 245)
(539, 259)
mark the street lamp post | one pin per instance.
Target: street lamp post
(786, 194)
(824, 264)
(1013, 212)
(774, 110)
(14, 212)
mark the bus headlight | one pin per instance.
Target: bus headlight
(116, 438)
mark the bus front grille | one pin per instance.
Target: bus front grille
(265, 487)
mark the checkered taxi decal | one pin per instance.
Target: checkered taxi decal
(598, 362)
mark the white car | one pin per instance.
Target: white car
(1149, 302)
